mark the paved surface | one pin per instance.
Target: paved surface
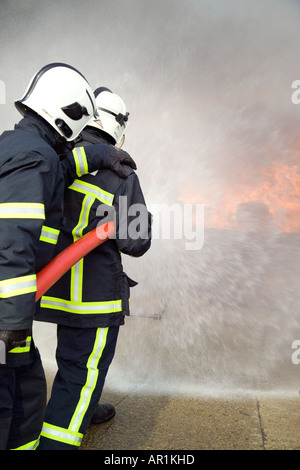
(262, 421)
(179, 423)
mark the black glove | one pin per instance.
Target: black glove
(14, 339)
(118, 158)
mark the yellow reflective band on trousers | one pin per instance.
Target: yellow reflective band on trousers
(22, 349)
(30, 446)
(81, 308)
(71, 435)
(49, 235)
(91, 380)
(17, 286)
(80, 159)
(93, 191)
(62, 435)
(22, 210)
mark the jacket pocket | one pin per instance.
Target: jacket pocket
(127, 283)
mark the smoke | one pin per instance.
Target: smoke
(208, 87)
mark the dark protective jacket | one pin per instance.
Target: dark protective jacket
(32, 183)
(95, 292)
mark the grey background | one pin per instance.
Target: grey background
(208, 86)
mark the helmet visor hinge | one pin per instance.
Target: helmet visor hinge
(120, 118)
(75, 111)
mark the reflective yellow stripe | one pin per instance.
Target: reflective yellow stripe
(81, 308)
(49, 235)
(77, 269)
(30, 446)
(91, 380)
(93, 191)
(22, 210)
(22, 349)
(61, 434)
(72, 436)
(17, 286)
(80, 159)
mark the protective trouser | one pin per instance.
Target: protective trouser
(23, 395)
(83, 358)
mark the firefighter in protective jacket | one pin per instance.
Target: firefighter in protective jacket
(56, 107)
(90, 301)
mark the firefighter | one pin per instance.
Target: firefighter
(57, 105)
(90, 301)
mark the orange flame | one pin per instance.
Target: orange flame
(273, 202)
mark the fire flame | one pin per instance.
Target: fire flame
(274, 202)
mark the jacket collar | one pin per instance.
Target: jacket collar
(36, 124)
(94, 136)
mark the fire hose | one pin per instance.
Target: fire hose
(53, 271)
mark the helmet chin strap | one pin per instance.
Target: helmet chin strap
(98, 123)
(120, 144)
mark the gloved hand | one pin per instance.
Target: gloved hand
(14, 338)
(98, 156)
(118, 158)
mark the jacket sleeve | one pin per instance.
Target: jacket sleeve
(26, 185)
(133, 220)
(83, 160)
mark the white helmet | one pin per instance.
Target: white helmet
(112, 116)
(62, 96)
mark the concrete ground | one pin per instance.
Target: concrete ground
(185, 423)
(262, 421)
